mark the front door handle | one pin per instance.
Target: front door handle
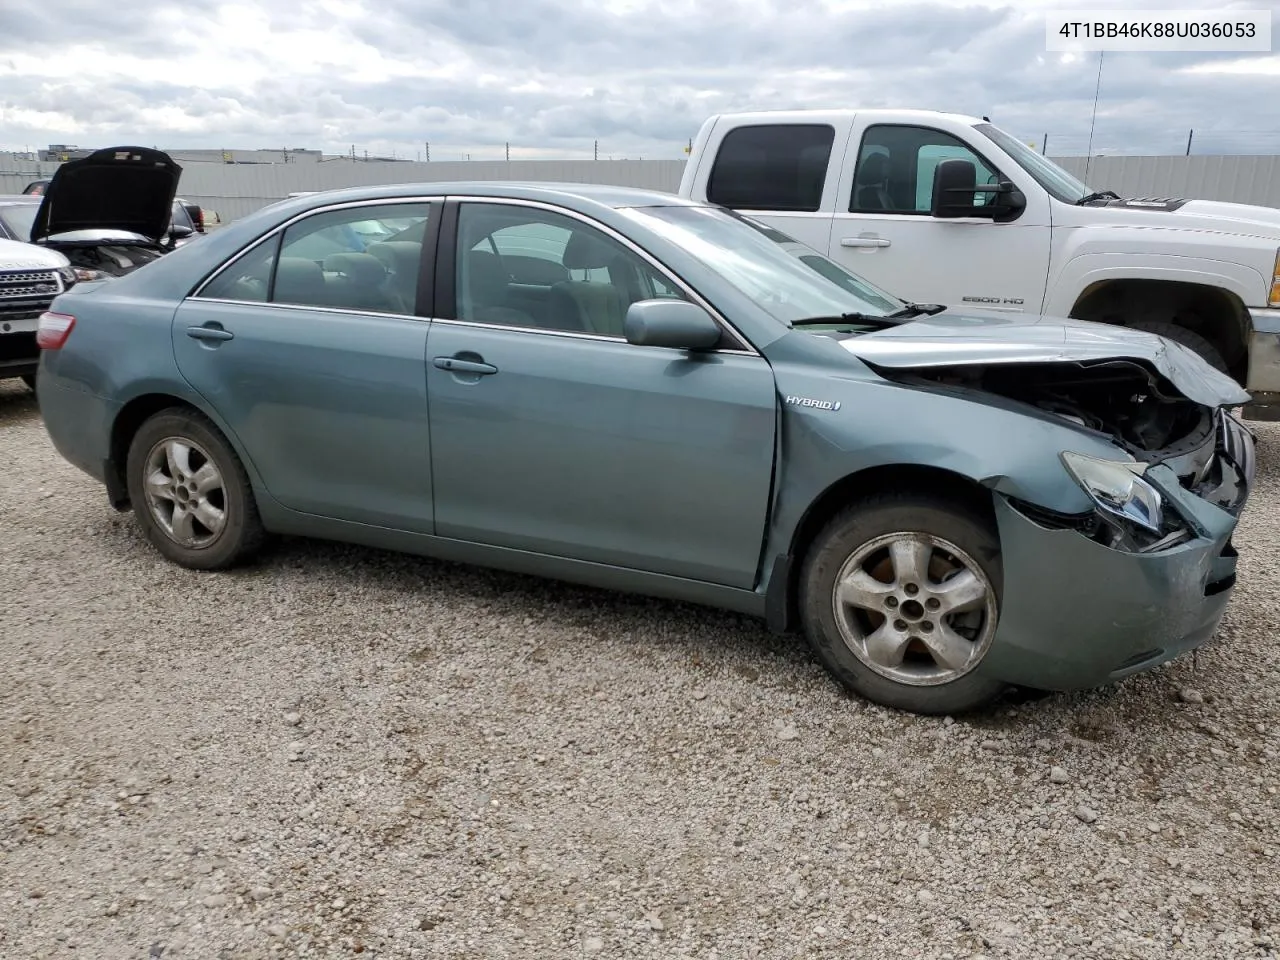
(212, 332)
(464, 366)
(864, 242)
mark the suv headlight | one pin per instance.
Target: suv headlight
(73, 275)
(1117, 488)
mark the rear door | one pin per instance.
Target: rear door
(311, 347)
(783, 174)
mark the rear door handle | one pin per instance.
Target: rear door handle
(209, 333)
(464, 366)
(864, 242)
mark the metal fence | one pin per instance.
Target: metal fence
(237, 190)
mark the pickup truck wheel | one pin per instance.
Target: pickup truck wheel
(190, 492)
(1188, 338)
(900, 600)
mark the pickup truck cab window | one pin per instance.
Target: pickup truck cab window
(895, 169)
(772, 167)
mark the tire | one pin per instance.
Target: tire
(225, 491)
(30, 380)
(1188, 338)
(860, 536)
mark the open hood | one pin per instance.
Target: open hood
(118, 188)
(989, 338)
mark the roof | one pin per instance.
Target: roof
(606, 195)
(845, 114)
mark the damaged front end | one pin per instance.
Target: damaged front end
(1204, 449)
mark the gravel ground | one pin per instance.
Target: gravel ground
(344, 752)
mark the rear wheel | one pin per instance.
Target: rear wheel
(190, 492)
(900, 601)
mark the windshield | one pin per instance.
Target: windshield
(788, 279)
(18, 218)
(1044, 171)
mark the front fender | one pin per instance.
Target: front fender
(1084, 270)
(989, 441)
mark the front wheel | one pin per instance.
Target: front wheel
(190, 493)
(900, 601)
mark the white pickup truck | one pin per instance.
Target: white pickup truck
(950, 209)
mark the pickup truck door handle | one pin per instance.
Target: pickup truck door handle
(455, 365)
(864, 242)
(209, 332)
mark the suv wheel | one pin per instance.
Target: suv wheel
(901, 599)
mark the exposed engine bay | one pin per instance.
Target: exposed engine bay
(1141, 410)
(113, 259)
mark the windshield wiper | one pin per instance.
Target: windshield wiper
(916, 309)
(877, 320)
(874, 319)
(1100, 195)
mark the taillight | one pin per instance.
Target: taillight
(53, 330)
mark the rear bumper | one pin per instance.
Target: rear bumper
(1078, 614)
(78, 423)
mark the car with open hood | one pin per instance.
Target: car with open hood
(635, 391)
(109, 212)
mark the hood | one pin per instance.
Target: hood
(1240, 219)
(988, 338)
(23, 256)
(129, 189)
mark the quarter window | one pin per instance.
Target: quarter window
(772, 167)
(526, 267)
(895, 169)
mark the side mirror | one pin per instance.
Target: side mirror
(954, 184)
(180, 231)
(677, 324)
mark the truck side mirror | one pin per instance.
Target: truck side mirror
(954, 184)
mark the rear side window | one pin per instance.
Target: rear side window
(772, 167)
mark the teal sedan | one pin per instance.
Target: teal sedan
(629, 390)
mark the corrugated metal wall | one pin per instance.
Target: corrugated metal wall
(1236, 179)
(236, 190)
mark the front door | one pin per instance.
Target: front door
(314, 358)
(883, 230)
(550, 433)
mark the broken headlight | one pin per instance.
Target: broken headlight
(1117, 487)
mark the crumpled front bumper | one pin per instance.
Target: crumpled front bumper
(1077, 614)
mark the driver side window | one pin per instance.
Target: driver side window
(895, 169)
(523, 266)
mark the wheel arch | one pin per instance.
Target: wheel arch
(1210, 310)
(782, 599)
(130, 419)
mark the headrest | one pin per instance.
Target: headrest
(297, 275)
(586, 252)
(397, 255)
(362, 268)
(873, 168)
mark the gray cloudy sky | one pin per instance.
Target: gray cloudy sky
(551, 76)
